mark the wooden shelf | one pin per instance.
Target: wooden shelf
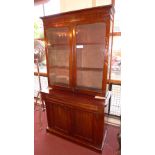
(82, 43)
(89, 69)
(89, 43)
(60, 67)
(60, 44)
(79, 68)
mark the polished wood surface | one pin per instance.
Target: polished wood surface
(75, 116)
(77, 47)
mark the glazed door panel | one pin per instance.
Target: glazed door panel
(58, 55)
(90, 49)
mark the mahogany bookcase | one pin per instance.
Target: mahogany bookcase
(78, 51)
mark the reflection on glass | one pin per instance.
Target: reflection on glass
(89, 79)
(87, 56)
(58, 36)
(90, 46)
(90, 33)
(58, 56)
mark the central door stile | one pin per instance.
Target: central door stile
(74, 57)
(71, 68)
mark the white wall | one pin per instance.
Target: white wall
(103, 2)
(69, 5)
(52, 7)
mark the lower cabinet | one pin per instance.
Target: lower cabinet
(76, 121)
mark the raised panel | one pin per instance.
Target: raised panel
(83, 125)
(62, 118)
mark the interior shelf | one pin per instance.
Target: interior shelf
(89, 43)
(59, 67)
(78, 68)
(89, 69)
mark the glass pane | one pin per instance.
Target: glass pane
(90, 46)
(58, 36)
(88, 54)
(89, 79)
(91, 33)
(58, 55)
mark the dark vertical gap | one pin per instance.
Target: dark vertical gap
(109, 105)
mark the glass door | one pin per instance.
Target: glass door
(90, 46)
(58, 56)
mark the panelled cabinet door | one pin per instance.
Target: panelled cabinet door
(59, 117)
(83, 125)
(90, 46)
(58, 55)
(62, 118)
